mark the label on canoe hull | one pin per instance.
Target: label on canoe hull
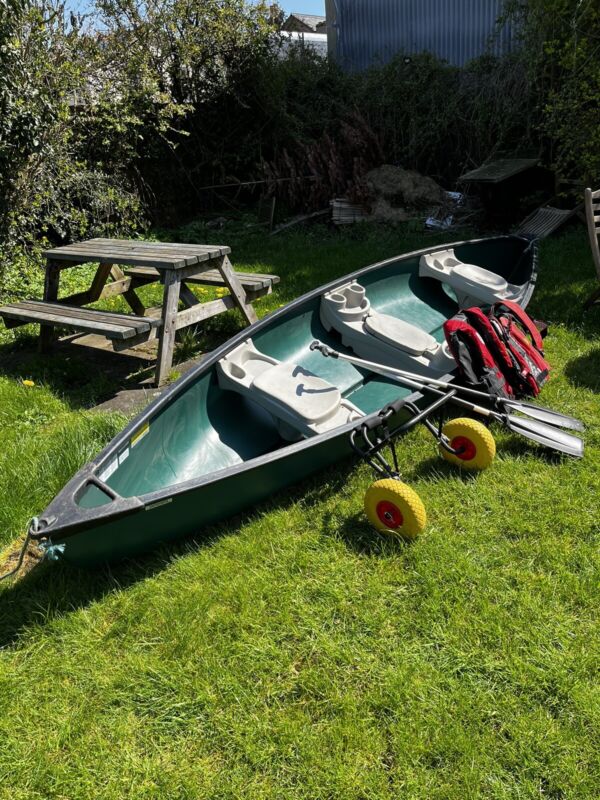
(116, 462)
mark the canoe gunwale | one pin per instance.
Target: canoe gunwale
(63, 517)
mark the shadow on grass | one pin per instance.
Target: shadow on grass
(81, 375)
(585, 370)
(437, 467)
(360, 536)
(52, 590)
(518, 446)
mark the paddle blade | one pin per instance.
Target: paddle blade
(546, 415)
(546, 435)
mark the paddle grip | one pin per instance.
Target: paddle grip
(323, 349)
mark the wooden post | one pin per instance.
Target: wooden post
(134, 302)
(187, 297)
(99, 282)
(51, 284)
(237, 291)
(166, 341)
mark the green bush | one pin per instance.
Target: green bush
(50, 189)
(559, 50)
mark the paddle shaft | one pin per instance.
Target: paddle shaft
(539, 432)
(394, 372)
(546, 415)
(460, 401)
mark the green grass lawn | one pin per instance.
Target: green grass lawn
(292, 652)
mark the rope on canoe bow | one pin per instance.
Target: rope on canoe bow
(33, 527)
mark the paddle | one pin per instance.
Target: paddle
(542, 414)
(547, 415)
(533, 429)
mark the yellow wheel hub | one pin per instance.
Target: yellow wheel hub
(393, 507)
(473, 439)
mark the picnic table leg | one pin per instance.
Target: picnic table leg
(237, 291)
(166, 341)
(51, 283)
(133, 301)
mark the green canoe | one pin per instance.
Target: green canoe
(264, 411)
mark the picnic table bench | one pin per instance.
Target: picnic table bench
(173, 265)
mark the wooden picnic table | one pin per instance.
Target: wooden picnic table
(173, 265)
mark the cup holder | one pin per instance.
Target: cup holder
(237, 371)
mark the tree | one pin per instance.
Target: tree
(561, 46)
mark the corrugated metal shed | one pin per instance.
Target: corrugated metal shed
(367, 32)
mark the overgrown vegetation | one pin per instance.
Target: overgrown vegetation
(560, 46)
(143, 110)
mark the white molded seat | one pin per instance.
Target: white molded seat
(480, 276)
(309, 397)
(473, 285)
(400, 334)
(302, 403)
(381, 337)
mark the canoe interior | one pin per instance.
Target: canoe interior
(205, 429)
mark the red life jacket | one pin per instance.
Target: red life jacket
(501, 351)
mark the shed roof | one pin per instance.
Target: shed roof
(309, 21)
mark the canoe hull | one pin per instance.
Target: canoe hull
(190, 460)
(190, 510)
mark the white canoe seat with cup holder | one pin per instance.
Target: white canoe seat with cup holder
(381, 337)
(472, 284)
(301, 403)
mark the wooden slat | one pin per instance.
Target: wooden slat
(203, 311)
(131, 298)
(187, 297)
(130, 252)
(140, 246)
(544, 221)
(61, 318)
(170, 253)
(249, 280)
(499, 170)
(186, 247)
(238, 293)
(131, 259)
(86, 313)
(127, 344)
(51, 285)
(169, 318)
(99, 280)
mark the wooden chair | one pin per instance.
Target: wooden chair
(592, 214)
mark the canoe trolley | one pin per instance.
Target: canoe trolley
(390, 504)
(465, 442)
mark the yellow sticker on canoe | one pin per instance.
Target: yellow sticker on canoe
(139, 435)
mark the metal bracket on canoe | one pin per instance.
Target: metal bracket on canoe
(371, 437)
(52, 552)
